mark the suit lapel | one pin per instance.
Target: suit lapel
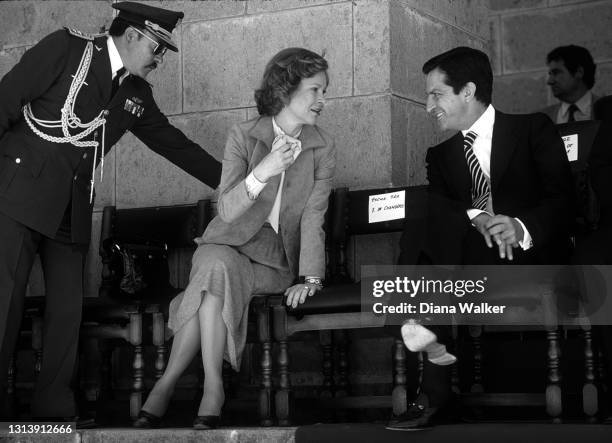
(264, 134)
(311, 138)
(263, 131)
(457, 169)
(503, 144)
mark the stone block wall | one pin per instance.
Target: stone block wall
(523, 32)
(375, 101)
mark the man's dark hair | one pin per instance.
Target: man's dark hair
(574, 57)
(462, 65)
(283, 75)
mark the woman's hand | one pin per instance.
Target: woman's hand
(276, 161)
(297, 294)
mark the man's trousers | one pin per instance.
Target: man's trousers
(62, 265)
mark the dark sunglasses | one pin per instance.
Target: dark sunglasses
(159, 49)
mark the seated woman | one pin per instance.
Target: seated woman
(276, 180)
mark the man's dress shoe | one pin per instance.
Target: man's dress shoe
(417, 416)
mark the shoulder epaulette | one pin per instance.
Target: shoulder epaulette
(83, 35)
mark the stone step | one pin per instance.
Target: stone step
(167, 435)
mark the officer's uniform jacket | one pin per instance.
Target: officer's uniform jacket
(40, 178)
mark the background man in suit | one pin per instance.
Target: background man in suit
(571, 76)
(67, 102)
(499, 192)
(593, 248)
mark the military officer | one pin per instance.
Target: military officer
(62, 107)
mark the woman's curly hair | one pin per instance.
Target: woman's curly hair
(283, 75)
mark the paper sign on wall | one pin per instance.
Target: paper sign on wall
(571, 146)
(384, 207)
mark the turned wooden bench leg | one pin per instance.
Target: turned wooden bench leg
(327, 365)
(601, 372)
(266, 392)
(343, 387)
(135, 337)
(554, 404)
(476, 335)
(283, 394)
(159, 341)
(37, 342)
(590, 399)
(341, 370)
(328, 387)
(399, 394)
(11, 396)
(454, 348)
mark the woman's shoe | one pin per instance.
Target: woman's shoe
(203, 422)
(147, 420)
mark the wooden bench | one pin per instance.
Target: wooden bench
(337, 307)
(117, 315)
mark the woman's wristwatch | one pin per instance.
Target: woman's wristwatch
(314, 281)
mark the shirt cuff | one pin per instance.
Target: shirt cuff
(527, 242)
(253, 186)
(473, 213)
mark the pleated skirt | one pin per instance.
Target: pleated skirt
(236, 274)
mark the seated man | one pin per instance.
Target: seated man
(500, 192)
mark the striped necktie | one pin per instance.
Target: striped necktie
(480, 185)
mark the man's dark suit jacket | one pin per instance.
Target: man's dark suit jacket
(530, 179)
(38, 178)
(595, 247)
(600, 162)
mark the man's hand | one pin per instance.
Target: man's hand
(276, 161)
(507, 232)
(480, 222)
(297, 294)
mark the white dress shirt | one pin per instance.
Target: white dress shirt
(115, 58)
(584, 105)
(254, 186)
(483, 127)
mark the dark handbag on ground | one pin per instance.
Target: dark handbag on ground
(139, 270)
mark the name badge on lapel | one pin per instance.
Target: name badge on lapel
(132, 106)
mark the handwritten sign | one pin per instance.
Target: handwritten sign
(571, 146)
(384, 207)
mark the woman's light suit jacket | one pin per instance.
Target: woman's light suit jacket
(306, 189)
